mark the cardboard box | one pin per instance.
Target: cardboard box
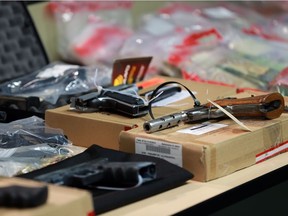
(61, 201)
(103, 128)
(214, 150)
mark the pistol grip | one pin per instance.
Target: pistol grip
(275, 105)
(128, 173)
(270, 105)
(22, 196)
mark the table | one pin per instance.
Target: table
(205, 196)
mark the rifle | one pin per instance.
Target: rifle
(102, 173)
(269, 106)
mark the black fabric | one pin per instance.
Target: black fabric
(168, 176)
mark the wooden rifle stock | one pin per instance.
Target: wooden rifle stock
(269, 106)
(272, 105)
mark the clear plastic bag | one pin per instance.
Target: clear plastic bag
(247, 16)
(243, 61)
(267, 8)
(29, 131)
(280, 83)
(58, 79)
(215, 65)
(170, 33)
(227, 14)
(272, 29)
(91, 32)
(28, 144)
(24, 159)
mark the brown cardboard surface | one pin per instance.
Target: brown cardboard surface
(61, 201)
(212, 154)
(103, 128)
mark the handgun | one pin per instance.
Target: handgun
(111, 100)
(102, 172)
(268, 106)
(119, 100)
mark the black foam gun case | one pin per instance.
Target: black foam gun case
(21, 53)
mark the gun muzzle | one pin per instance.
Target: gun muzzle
(164, 122)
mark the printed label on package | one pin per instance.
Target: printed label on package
(168, 151)
(202, 128)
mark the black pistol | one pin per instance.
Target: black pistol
(110, 100)
(101, 172)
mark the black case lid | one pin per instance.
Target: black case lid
(21, 50)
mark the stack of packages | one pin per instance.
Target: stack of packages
(223, 43)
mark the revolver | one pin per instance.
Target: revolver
(123, 102)
(267, 106)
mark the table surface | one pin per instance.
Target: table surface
(193, 193)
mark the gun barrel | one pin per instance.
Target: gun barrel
(269, 106)
(165, 122)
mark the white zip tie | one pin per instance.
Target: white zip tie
(230, 115)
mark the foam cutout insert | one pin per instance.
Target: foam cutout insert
(21, 50)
